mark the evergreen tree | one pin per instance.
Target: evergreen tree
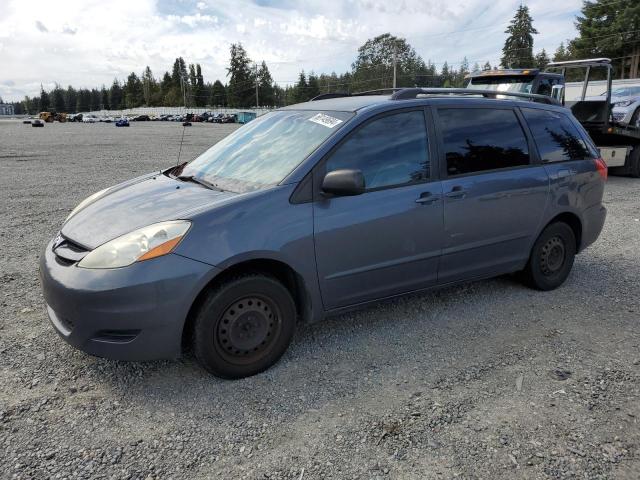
(199, 90)
(610, 29)
(45, 103)
(541, 59)
(300, 88)
(446, 76)
(57, 96)
(95, 99)
(133, 92)
(313, 87)
(70, 99)
(486, 66)
(116, 98)
(265, 85)
(241, 88)
(561, 54)
(104, 98)
(84, 100)
(149, 86)
(218, 94)
(518, 47)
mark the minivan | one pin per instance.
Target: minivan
(321, 207)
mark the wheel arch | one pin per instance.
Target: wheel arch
(573, 221)
(280, 270)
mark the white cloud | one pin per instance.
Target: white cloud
(88, 43)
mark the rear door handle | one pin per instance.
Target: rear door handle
(456, 192)
(427, 198)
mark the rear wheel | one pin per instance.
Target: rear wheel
(244, 326)
(551, 257)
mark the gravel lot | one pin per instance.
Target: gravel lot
(485, 380)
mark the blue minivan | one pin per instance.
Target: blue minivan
(317, 208)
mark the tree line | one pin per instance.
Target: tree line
(605, 28)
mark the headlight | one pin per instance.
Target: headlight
(85, 202)
(626, 103)
(148, 242)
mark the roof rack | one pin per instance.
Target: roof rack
(325, 96)
(379, 91)
(409, 93)
(593, 62)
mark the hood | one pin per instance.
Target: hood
(135, 204)
(614, 98)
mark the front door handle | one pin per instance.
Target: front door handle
(456, 192)
(427, 198)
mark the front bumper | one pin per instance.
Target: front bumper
(130, 313)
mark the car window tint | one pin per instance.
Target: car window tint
(555, 135)
(391, 150)
(479, 139)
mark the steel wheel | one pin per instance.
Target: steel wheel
(552, 256)
(247, 329)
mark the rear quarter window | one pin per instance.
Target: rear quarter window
(556, 136)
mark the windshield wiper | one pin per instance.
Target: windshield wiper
(199, 181)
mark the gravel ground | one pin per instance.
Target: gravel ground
(484, 380)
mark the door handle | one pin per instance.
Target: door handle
(456, 192)
(564, 172)
(427, 198)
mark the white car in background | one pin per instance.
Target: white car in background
(89, 119)
(626, 105)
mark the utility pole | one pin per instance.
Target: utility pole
(256, 70)
(394, 65)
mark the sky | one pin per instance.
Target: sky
(88, 43)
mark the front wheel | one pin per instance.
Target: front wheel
(551, 257)
(244, 326)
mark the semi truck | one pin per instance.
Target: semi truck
(619, 143)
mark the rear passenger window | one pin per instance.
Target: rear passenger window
(391, 150)
(479, 139)
(555, 135)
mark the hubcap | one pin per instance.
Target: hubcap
(247, 329)
(552, 256)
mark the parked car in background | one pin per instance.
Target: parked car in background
(37, 123)
(141, 118)
(228, 118)
(122, 122)
(89, 119)
(626, 105)
(344, 202)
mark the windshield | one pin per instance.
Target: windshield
(264, 151)
(502, 83)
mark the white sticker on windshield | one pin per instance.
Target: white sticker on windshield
(326, 120)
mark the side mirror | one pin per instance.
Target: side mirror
(557, 92)
(344, 182)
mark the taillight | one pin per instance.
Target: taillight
(601, 166)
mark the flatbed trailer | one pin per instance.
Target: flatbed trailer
(619, 144)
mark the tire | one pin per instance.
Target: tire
(634, 162)
(635, 118)
(551, 257)
(244, 326)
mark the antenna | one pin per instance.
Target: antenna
(181, 140)
(184, 125)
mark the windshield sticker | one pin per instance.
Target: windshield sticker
(325, 120)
